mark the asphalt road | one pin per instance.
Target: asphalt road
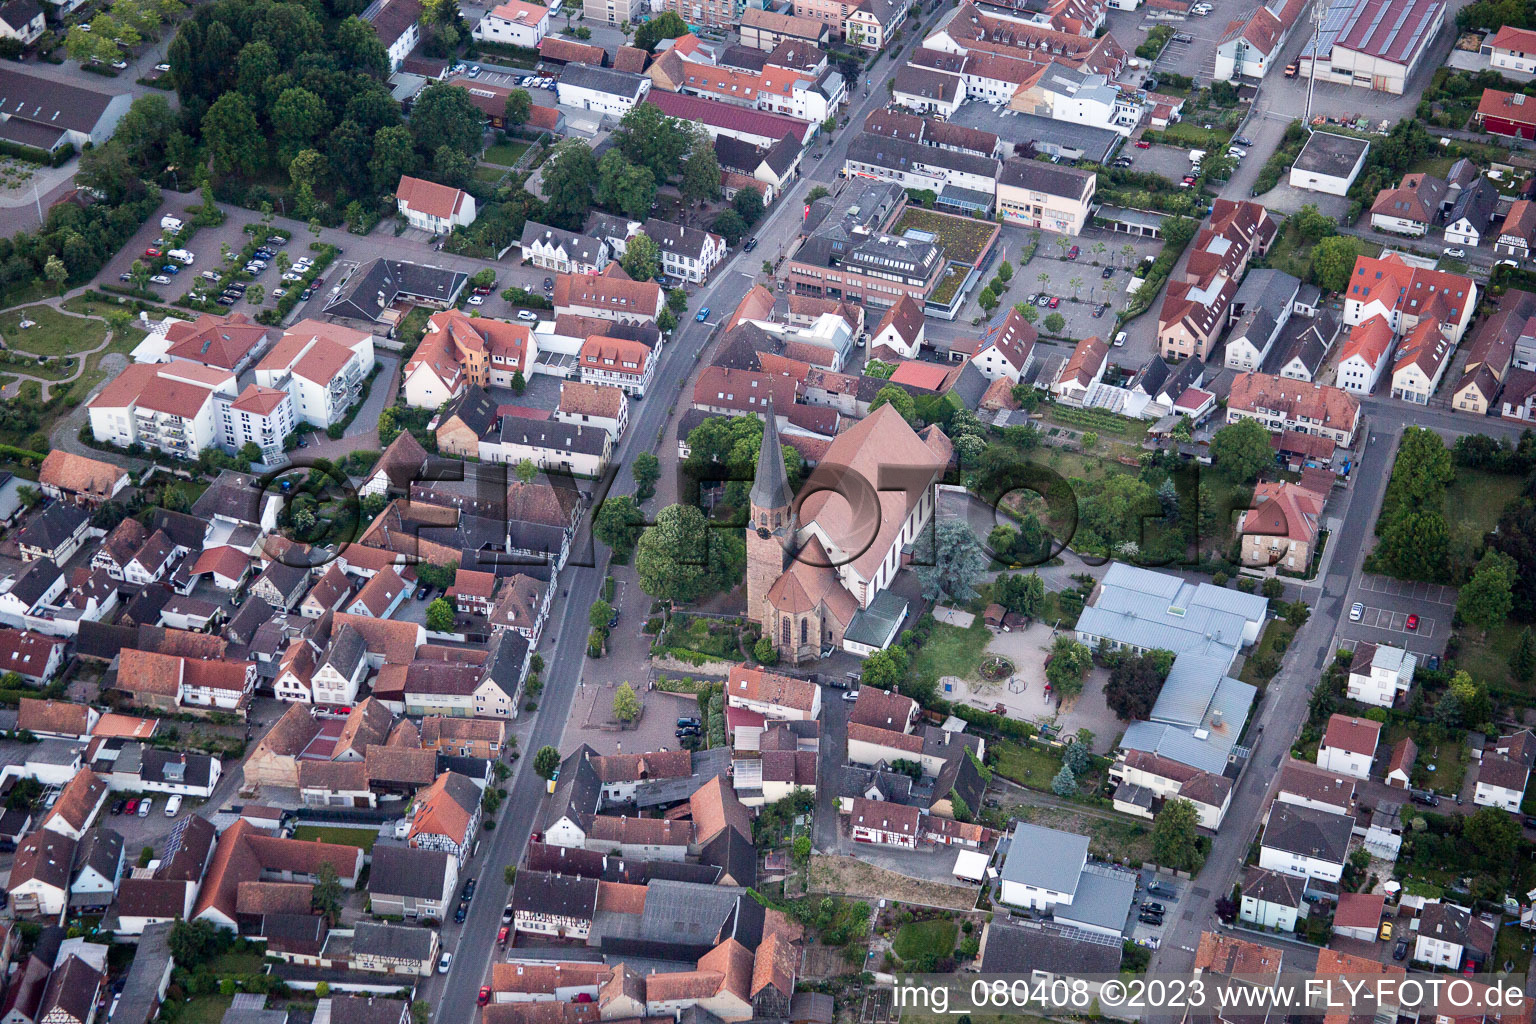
(475, 945)
(1287, 695)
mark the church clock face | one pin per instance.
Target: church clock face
(762, 531)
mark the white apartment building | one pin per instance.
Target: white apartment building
(322, 366)
(687, 254)
(167, 406)
(515, 23)
(260, 416)
(602, 90)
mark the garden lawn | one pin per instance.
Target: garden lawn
(203, 1009)
(1449, 757)
(506, 154)
(1295, 258)
(360, 837)
(712, 638)
(1514, 944)
(1473, 504)
(925, 938)
(1487, 658)
(56, 334)
(951, 651)
(235, 962)
(1030, 766)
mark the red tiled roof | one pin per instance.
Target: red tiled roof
(430, 198)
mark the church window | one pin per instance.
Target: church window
(804, 625)
(784, 631)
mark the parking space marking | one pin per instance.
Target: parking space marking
(1394, 621)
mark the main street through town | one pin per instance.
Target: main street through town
(474, 946)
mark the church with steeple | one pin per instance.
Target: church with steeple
(819, 564)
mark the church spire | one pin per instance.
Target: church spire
(770, 486)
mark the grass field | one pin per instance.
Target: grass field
(1487, 659)
(1473, 504)
(1274, 633)
(1027, 765)
(953, 652)
(56, 334)
(1115, 840)
(505, 153)
(203, 1010)
(1294, 257)
(360, 837)
(925, 938)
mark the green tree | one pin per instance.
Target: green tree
(444, 115)
(885, 670)
(299, 119)
(1090, 440)
(897, 397)
(1416, 546)
(1332, 261)
(255, 295)
(1176, 836)
(618, 524)
(765, 652)
(625, 187)
(816, 192)
(1068, 661)
(1241, 450)
(677, 300)
(232, 136)
(1487, 598)
(1005, 271)
(646, 469)
(570, 174)
(1311, 225)
(1065, 783)
(1522, 660)
(667, 25)
(452, 168)
(626, 706)
(680, 558)
(653, 140)
(599, 614)
(394, 155)
(1054, 323)
(519, 106)
(729, 225)
(642, 257)
(56, 272)
(545, 762)
(421, 1010)
(748, 203)
(1494, 834)
(1021, 593)
(949, 558)
(359, 48)
(440, 616)
(327, 896)
(701, 172)
(192, 942)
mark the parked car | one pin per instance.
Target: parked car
(850, 695)
(173, 805)
(549, 284)
(751, 244)
(160, 279)
(1143, 144)
(120, 65)
(125, 277)
(224, 300)
(170, 268)
(152, 251)
(1452, 250)
(1074, 252)
(117, 807)
(506, 915)
(1152, 919)
(1356, 612)
(1055, 301)
(1159, 889)
(1099, 310)
(703, 315)
(1154, 908)
(687, 720)
(527, 316)
(1120, 340)
(461, 913)
(421, 593)
(1107, 273)
(1238, 152)
(503, 935)
(277, 240)
(1386, 931)
(469, 889)
(485, 995)
(1400, 950)
(476, 300)
(132, 807)
(445, 964)
(1242, 140)
(1413, 622)
(145, 806)
(1042, 299)
(162, 68)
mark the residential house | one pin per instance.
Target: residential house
(1517, 235)
(617, 362)
(409, 882)
(1380, 674)
(594, 405)
(1365, 356)
(1349, 746)
(1410, 208)
(514, 23)
(1408, 295)
(1306, 842)
(56, 531)
(248, 854)
(1358, 915)
(70, 477)
(1260, 310)
(55, 719)
(428, 206)
(882, 822)
(98, 868)
(608, 297)
(1282, 404)
(1271, 899)
(1400, 764)
(1422, 359)
(1085, 368)
(1449, 936)
(1472, 214)
(39, 879)
(605, 91)
(1505, 770)
(36, 657)
(1281, 529)
(564, 252)
(1512, 49)
(77, 806)
(1506, 113)
(446, 816)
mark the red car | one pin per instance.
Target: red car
(1413, 622)
(132, 808)
(485, 995)
(1055, 301)
(1143, 144)
(501, 936)
(1073, 253)
(152, 251)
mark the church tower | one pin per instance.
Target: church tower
(769, 532)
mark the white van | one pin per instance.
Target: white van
(182, 256)
(170, 223)
(173, 806)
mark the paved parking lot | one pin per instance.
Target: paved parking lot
(656, 730)
(1171, 162)
(1388, 603)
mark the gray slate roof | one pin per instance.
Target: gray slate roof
(392, 940)
(1020, 949)
(1309, 832)
(1045, 857)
